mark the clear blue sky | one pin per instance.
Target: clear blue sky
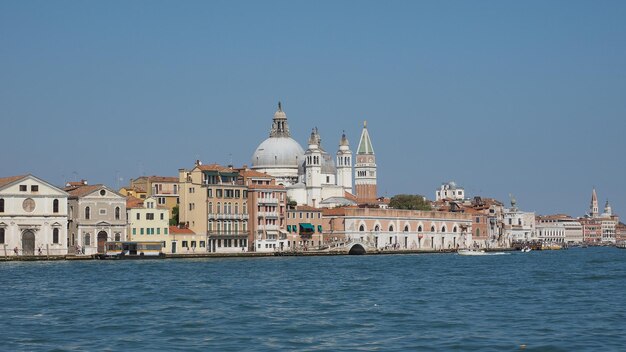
(525, 97)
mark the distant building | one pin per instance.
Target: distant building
(163, 188)
(148, 221)
(450, 191)
(559, 228)
(305, 228)
(33, 217)
(607, 220)
(518, 225)
(97, 214)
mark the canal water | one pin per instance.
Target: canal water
(572, 300)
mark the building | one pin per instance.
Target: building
(267, 203)
(185, 241)
(214, 203)
(33, 217)
(312, 176)
(397, 229)
(96, 214)
(559, 228)
(607, 220)
(148, 221)
(592, 230)
(305, 228)
(163, 188)
(450, 191)
(519, 226)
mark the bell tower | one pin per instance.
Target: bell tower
(365, 169)
(313, 169)
(344, 164)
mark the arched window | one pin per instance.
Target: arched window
(210, 207)
(55, 235)
(419, 228)
(55, 206)
(454, 229)
(236, 208)
(362, 228)
(406, 228)
(219, 207)
(377, 228)
(87, 213)
(432, 229)
(443, 228)
(390, 228)
(245, 208)
(117, 214)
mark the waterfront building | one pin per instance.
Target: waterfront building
(480, 220)
(267, 202)
(519, 226)
(305, 228)
(185, 241)
(608, 221)
(148, 221)
(376, 228)
(163, 188)
(558, 228)
(312, 176)
(592, 229)
(96, 214)
(450, 190)
(33, 217)
(214, 203)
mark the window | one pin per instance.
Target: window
(103, 192)
(141, 231)
(419, 228)
(55, 206)
(2, 235)
(87, 213)
(165, 231)
(202, 244)
(55, 235)
(361, 228)
(117, 213)
(87, 239)
(134, 230)
(390, 228)
(150, 216)
(138, 216)
(193, 244)
(34, 188)
(218, 193)
(158, 230)
(185, 244)
(162, 216)
(319, 228)
(118, 236)
(209, 193)
(477, 220)
(103, 212)
(432, 229)
(454, 229)
(23, 188)
(1, 205)
(377, 228)
(406, 228)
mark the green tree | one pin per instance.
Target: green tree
(410, 202)
(174, 218)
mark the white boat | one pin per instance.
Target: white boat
(526, 249)
(478, 252)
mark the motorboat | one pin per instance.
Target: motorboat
(478, 252)
(526, 249)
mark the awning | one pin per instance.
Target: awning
(306, 227)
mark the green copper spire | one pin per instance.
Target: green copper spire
(365, 143)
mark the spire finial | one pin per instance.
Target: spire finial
(365, 124)
(280, 106)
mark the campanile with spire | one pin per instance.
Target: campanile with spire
(365, 169)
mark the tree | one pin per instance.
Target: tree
(174, 218)
(410, 202)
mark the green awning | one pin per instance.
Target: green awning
(307, 227)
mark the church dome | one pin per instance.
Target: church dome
(278, 152)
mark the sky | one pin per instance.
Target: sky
(525, 98)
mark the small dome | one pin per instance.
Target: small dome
(278, 152)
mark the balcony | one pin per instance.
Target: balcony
(268, 214)
(267, 201)
(269, 227)
(215, 216)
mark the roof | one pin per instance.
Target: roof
(182, 231)
(304, 208)
(253, 173)
(215, 167)
(342, 201)
(134, 202)
(278, 187)
(6, 180)
(80, 191)
(365, 143)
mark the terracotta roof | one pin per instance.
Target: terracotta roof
(253, 173)
(133, 202)
(266, 187)
(10, 179)
(176, 229)
(306, 208)
(350, 196)
(215, 167)
(82, 191)
(163, 179)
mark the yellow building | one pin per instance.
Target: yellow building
(164, 189)
(147, 221)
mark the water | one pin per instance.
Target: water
(549, 301)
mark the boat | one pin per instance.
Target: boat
(477, 252)
(133, 250)
(526, 249)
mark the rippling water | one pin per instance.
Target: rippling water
(558, 301)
